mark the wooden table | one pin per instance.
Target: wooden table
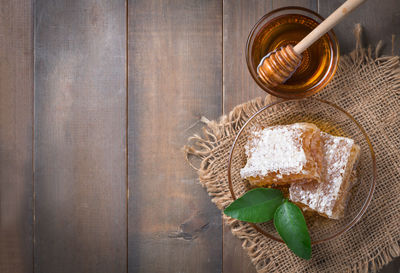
(97, 99)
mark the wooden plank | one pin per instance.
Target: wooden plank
(239, 18)
(236, 259)
(175, 77)
(380, 19)
(392, 267)
(16, 113)
(80, 129)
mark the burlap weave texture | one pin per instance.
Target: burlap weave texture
(368, 87)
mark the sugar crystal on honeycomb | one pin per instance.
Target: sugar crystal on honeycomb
(283, 154)
(329, 197)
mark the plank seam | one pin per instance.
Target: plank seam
(222, 57)
(33, 13)
(223, 111)
(127, 131)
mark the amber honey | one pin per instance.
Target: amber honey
(317, 61)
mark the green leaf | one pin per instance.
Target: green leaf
(291, 226)
(255, 206)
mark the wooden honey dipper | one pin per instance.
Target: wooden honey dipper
(279, 65)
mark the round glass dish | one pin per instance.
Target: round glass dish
(329, 118)
(288, 26)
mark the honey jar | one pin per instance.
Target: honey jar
(289, 26)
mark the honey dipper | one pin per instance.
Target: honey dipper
(279, 65)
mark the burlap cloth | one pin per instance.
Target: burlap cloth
(367, 86)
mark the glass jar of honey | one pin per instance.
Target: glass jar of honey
(289, 26)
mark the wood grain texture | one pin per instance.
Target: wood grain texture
(186, 59)
(392, 267)
(310, 4)
(239, 18)
(80, 129)
(379, 19)
(16, 107)
(175, 76)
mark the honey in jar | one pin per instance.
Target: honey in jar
(318, 61)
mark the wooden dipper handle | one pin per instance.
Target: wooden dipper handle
(327, 24)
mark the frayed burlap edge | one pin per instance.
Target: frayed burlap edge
(218, 133)
(222, 133)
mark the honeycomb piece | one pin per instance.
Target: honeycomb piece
(329, 197)
(283, 154)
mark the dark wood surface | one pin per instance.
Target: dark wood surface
(80, 138)
(16, 113)
(97, 99)
(175, 76)
(379, 19)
